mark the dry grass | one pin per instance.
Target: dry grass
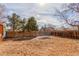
(40, 47)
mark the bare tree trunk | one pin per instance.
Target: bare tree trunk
(14, 31)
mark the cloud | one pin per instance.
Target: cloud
(44, 14)
(49, 20)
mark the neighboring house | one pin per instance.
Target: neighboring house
(76, 25)
(46, 31)
(1, 30)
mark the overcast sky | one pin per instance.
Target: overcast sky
(42, 12)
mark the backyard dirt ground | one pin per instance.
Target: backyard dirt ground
(40, 46)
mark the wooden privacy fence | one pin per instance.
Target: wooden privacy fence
(27, 34)
(21, 34)
(67, 34)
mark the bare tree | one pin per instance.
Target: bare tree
(74, 7)
(62, 15)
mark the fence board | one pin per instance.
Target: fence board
(67, 34)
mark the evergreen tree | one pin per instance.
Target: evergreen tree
(14, 19)
(31, 24)
(23, 23)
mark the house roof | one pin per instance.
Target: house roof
(1, 23)
(75, 23)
